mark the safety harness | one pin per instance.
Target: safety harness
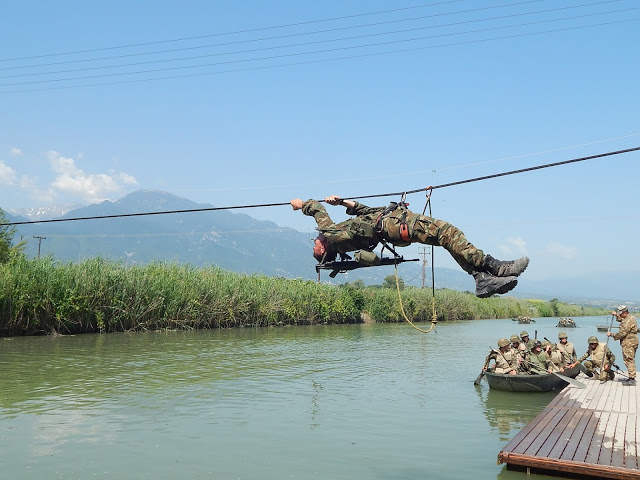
(393, 206)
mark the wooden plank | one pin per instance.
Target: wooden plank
(604, 402)
(617, 456)
(525, 432)
(578, 468)
(555, 417)
(617, 401)
(571, 450)
(598, 436)
(557, 435)
(606, 450)
(586, 442)
(631, 445)
(523, 439)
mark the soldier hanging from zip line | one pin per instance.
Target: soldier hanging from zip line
(400, 227)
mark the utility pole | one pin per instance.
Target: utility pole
(424, 254)
(39, 242)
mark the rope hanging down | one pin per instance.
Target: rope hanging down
(212, 209)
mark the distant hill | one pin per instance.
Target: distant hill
(240, 243)
(232, 241)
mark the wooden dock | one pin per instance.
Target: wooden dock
(589, 432)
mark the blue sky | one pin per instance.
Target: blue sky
(250, 102)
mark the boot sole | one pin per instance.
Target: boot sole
(504, 288)
(515, 273)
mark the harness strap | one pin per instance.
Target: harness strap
(404, 228)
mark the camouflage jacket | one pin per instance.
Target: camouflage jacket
(596, 355)
(628, 333)
(540, 361)
(568, 352)
(359, 232)
(505, 362)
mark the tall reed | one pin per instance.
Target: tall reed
(42, 296)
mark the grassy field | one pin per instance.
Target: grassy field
(41, 296)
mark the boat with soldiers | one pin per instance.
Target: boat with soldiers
(566, 323)
(545, 382)
(523, 320)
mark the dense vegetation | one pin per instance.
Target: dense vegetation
(42, 296)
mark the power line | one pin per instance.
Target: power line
(251, 30)
(235, 207)
(288, 55)
(350, 27)
(350, 57)
(315, 42)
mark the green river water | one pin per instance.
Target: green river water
(329, 402)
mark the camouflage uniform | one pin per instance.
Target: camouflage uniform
(556, 358)
(515, 350)
(505, 362)
(568, 352)
(528, 345)
(595, 361)
(628, 336)
(540, 361)
(359, 233)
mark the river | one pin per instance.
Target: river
(327, 402)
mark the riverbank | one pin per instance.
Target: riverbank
(41, 296)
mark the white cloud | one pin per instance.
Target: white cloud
(89, 187)
(515, 247)
(559, 251)
(7, 174)
(15, 152)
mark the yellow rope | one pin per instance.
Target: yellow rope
(434, 315)
(434, 318)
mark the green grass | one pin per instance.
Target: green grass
(38, 296)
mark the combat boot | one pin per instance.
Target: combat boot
(487, 284)
(505, 269)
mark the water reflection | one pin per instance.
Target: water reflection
(508, 412)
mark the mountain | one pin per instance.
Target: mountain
(43, 213)
(232, 241)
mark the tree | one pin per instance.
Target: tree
(554, 306)
(7, 248)
(390, 282)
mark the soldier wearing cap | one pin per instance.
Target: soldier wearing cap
(566, 349)
(628, 336)
(505, 362)
(539, 359)
(597, 351)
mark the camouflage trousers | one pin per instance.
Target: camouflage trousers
(431, 231)
(593, 367)
(629, 358)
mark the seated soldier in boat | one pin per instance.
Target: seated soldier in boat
(516, 352)
(596, 353)
(505, 362)
(539, 360)
(554, 355)
(525, 342)
(567, 350)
